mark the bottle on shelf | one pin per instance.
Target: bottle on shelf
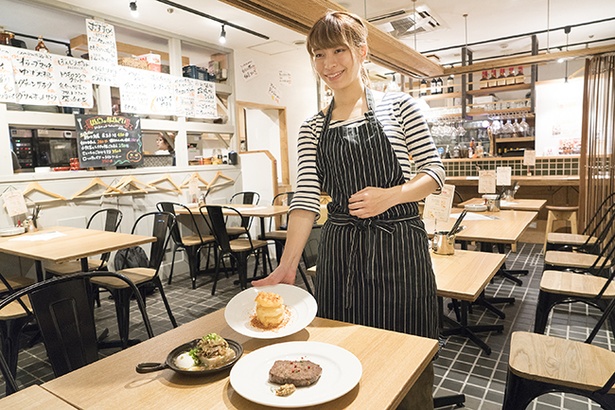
(439, 85)
(480, 151)
(472, 149)
(41, 45)
(484, 80)
(493, 79)
(502, 77)
(450, 84)
(434, 86)
(423, 88)
(511, 77)
(520, 78)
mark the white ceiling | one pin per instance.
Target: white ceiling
(485, 21)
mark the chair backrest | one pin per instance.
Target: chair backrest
(162, 225)
(175, 232)
(246, 198)
(284, 198)
(113, 218)
(592, 226)
(310, 251)
(64, 311)
(217, 221)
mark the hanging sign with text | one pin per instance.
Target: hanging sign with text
(109, 140)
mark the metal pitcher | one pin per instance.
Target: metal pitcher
(443, 243)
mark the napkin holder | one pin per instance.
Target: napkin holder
(443, 243)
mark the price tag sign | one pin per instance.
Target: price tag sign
(529, 158)
(14, 202)
(486, 182)
(503, 176)
(438, 206)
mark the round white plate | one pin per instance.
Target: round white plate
(476, 207)
(12, 231)
(341, 371)
(300, 304)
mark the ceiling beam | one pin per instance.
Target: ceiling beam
(529, 59)
(385, 50)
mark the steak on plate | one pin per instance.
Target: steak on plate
(301, 373)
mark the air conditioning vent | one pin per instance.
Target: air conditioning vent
(401, 23)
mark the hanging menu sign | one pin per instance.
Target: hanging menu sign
(109, 140)
(34, 79)
(101, 42)
(7, 83)
(74, 82)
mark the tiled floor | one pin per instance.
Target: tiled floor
(461, 366)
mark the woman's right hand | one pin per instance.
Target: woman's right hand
(281, 274)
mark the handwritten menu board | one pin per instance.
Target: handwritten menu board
(34, 79)
(109, 140)
(72, 76)
(204, 100)
(7, 82)
(146, 92)
(101, 42)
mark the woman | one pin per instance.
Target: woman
(373, 264)
(166, 145)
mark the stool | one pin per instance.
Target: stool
(560, 213)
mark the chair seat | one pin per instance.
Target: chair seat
(68, 268)
(573, 259)
(195, 240)
(571, 239)
(575, 284)
(562, 208)
(243, 245)
(235, 230)
(277, 235)
(16, 282)
(14, 310)
(136, 275)
(559, 361)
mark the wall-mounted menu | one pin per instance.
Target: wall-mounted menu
(109, 140)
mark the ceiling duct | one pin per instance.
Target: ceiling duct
(401, 23)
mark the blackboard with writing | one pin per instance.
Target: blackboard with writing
(109, 140)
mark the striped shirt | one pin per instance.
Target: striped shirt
(405, 128)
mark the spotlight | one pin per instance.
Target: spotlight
(133, 9)
(222, 38)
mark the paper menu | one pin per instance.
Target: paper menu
(14, 202)
(486, 182)
(529, 158)
(438, 206)
(503, 176)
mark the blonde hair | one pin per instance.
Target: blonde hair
(339, 28)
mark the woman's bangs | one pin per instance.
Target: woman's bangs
(326, 35)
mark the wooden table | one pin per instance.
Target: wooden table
(33, 397)
(534, 205)
(64, 243)
(391, 362)
(463, 276)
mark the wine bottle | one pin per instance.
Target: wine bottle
(41, 45)
(484, 80)
(502, 77)
(450, 84)
(440, 85)
(520, 78)
(510, 78)
(423, 88)
(493, 79)
(434, 86)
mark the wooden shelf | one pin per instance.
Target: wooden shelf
(519, 111)
(514, 139)
(503, 88)
(431, 97)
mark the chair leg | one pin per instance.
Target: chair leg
(545, 304)
(520, 392)
(305, 280)
(158, 284)
(121, 297)
(172, 264)
(10, 331)
(242, 269)
(218, 260)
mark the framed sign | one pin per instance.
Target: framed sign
(109, 140)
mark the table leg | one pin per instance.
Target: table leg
(462, 328)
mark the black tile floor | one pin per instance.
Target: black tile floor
(460, 367)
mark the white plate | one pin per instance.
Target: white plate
(12, 231)
(476, 207)
(300, 304)
(341, 371)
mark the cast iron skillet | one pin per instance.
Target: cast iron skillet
(186, 347)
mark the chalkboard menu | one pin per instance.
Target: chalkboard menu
(109, 140)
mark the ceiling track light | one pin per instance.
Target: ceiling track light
(210, 17)
(567, 31)
(133, 9)
(222, 39)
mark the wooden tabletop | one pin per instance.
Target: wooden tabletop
(64, 243)
(465, 274)
(33, 397)
(391, 364)
(495, 227)
(534, 205)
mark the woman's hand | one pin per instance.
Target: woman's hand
(281, 274)
(370, 201)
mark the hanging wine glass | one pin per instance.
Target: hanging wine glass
(524, 127)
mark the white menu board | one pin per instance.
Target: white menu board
(184, 96)
(7, 81)
(146, 92)
(101, 42)
(486, 182)
(34, 79)
(205, 100)
(74, 82)
(438, 206)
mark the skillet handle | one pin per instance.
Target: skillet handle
(150, 367)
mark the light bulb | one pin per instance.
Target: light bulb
(222, 38)
(133, 9)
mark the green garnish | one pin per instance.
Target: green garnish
(194, 354)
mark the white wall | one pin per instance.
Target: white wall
(299, 98)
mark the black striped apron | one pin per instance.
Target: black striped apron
(376, 271)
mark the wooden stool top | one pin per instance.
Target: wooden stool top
(562, 208)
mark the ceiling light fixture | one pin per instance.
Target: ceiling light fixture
(414, 17)
(210, 17)
(548, 22)
(567, 31)
(133, 9)
(222, 39)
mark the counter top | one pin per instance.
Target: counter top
(558, 180)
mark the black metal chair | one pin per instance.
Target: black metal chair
(111, 223)
(191, 244)
(540, 364)
(238, 249)
(143, 277)
(244, 198)
(277, 233)
(64, 313)
(310, 255)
